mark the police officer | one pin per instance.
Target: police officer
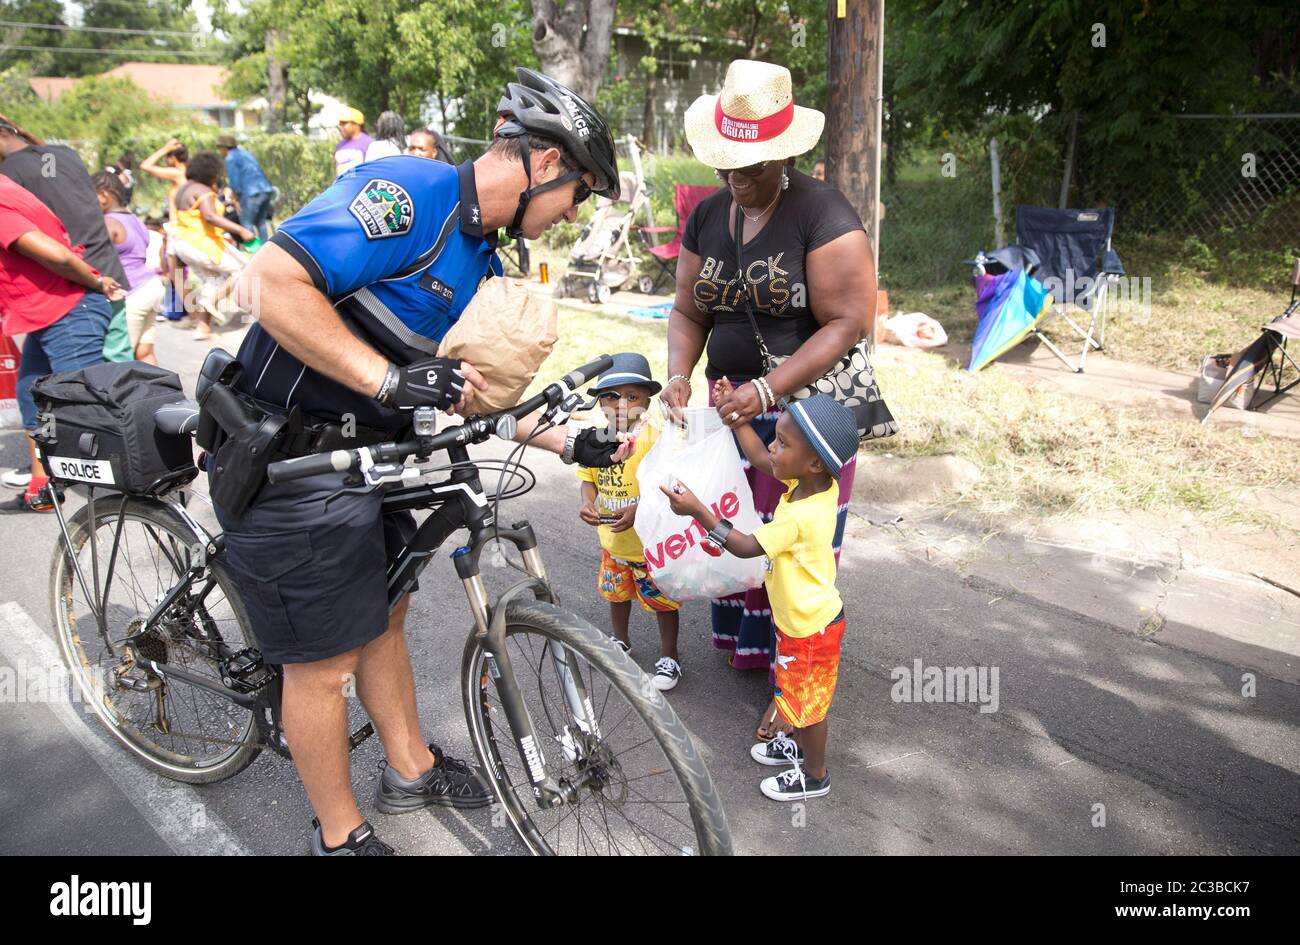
(354, 293)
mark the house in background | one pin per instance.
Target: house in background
(680, 79)
(193, 87)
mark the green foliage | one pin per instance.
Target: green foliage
(299, 166)
(397, 55)
(59, 56)
(1127, 68)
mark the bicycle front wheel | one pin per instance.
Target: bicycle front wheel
(643, 788)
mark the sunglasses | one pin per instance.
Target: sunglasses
(754, 170)
(583, 190)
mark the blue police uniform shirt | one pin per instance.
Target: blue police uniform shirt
(398, 247)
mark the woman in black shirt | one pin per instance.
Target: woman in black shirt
(809, 271)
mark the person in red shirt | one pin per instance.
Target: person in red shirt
(49, 294)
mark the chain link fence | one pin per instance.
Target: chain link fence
(1224, 185)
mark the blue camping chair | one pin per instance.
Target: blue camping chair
(1069, 252)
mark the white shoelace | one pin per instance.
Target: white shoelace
(790, 749)
(666, 666)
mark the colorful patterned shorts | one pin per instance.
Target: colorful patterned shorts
(806, 671)
(620, 581)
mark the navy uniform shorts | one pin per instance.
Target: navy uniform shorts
(313, 579)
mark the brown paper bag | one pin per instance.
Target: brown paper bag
(506, 332)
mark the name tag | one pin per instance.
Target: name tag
(437, 287)
(98, 471)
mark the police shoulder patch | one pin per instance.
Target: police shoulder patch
(383, 209)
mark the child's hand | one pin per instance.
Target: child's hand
(682, 500)
(627, 443)
(722, 387)
(626, 519)
(589, 514)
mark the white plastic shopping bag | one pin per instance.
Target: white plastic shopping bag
(704, 457)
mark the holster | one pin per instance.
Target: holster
(245, 439)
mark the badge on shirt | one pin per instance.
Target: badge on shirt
(383, 209)
(437, 287)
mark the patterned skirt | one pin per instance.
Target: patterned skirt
(743, 622)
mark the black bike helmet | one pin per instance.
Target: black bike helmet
(539, 105)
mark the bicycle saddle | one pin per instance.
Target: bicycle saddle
(180, 417)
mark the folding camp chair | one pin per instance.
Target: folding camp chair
(686, 197)
(1256, 363)
(1284, 328)
(1077, 265)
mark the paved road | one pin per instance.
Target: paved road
(1088, 714)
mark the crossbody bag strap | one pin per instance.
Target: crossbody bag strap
(768, 364)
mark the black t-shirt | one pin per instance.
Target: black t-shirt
(810, 214)
(56, 176)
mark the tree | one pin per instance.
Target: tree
(572, 41)
(1126, 68)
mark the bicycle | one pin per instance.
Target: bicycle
(172, 668)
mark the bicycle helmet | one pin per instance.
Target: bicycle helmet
(539, 105)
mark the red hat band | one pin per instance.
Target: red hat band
(740, 129)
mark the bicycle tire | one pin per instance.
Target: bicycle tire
(602, 654)
(62, 581)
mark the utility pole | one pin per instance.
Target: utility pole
(854, 83)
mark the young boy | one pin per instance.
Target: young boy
(609, 501)
(814, 439)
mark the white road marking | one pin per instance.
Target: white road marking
(176, 811)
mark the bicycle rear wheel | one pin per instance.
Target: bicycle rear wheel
(652, 793)
(183, 732)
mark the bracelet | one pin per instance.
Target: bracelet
(720, 532)
(388, 389)
(762, 395)
(678, 377)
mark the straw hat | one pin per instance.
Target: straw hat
(754, 119)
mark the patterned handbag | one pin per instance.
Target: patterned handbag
(851, 380)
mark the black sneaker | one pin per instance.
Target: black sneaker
(42, 501)
(794, 785)
(449, 783)
(781, 750)
(361, 842)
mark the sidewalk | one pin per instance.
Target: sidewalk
(1107, 380)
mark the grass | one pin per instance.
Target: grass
(1041, 453)
(1191, 315)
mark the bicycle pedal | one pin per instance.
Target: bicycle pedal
(360, 735)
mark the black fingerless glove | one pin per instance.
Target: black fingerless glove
(433, 382)
(594, 448)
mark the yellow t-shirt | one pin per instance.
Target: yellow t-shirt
(799, 543)
(616, 489)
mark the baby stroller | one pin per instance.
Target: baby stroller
(603, 257)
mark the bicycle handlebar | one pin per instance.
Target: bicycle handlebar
(473, 430)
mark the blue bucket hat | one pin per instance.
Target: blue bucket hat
(628, 368)
(829, 427)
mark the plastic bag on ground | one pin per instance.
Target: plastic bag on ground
(704, 457)
(914, 330)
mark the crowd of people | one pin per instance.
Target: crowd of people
(70, 274)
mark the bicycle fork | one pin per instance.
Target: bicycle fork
(490, 629)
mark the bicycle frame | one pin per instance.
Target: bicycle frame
(460, 502)
(455, 503)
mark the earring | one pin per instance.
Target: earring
(785, 180)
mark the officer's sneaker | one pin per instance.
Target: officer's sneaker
(449, 783)
(16, 478)
(360, 842)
